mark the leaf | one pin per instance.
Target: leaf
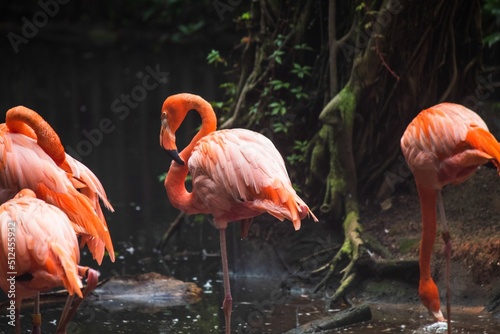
(280, 127)
(161, 177)
(246, 16)
(276, 55)
(492, 39)
(303, 46)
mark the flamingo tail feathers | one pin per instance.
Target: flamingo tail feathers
(485, 142)
(66, 269)
(85, 219)
(283, 205)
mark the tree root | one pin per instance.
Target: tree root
(350, 250)
(361, 262)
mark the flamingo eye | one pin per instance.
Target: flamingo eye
(164, 122)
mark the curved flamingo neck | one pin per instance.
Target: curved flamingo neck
(175, 185)
(208, 122)
(27, 122)
(427, 289)
(427, 197)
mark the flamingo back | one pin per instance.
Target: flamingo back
(23, 164)
(446, 143)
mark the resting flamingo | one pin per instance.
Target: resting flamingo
(38, 252)
(443, 144)
(236, 175)
(32, 156)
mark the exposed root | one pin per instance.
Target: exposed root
(350, 250)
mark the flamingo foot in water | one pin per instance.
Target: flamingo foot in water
(437, 327)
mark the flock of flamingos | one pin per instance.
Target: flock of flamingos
(50, 199)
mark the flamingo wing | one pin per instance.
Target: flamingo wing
(45, 246)
(239, 174)
(24, 165)
(86, 181)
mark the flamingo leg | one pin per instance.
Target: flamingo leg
(17, 320)
(36, 319)
(63, 320)
(70, 309)
(227, 304)
(447, 253)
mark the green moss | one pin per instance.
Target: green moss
(407, 245)
(341, 107)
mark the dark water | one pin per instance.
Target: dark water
(105, 108)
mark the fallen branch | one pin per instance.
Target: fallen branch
(348, 317)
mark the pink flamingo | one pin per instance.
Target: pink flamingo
(236, 175)
(443, 144)
(32, 156)
(38, 252)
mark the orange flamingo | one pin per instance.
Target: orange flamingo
(236, 175)
(443, 144)
(32, 156)
(38, 252)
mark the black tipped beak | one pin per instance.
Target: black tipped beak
(175, 155)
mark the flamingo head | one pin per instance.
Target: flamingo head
(429, 295)
(25, 193)
(167, 139)
(173, 113)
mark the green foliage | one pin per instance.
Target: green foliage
(191, 28)
(278, 84)
(491, 8)
(302, 46)
(161, 177)
(230, 93)
(299, 93)
(199, 218)
(280, 90)
(276, 56)
(254, 109)
(279, 40)
(299, 152)
(360, 7)
(491, 39)
(214, 58)
(229, 87)
(246, 16)
(280, 127)
(301, 71)
(278, 108)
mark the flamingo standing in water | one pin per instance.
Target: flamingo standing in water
(236, 175)
(32, 156)
(38, 252)
(443, 144)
